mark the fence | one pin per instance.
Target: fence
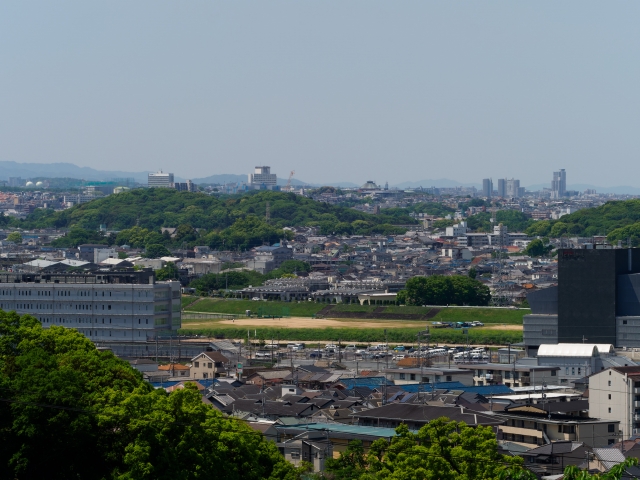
(209, 316)
(273, 311)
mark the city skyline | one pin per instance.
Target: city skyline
(406, 90)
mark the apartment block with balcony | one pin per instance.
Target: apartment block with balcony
(538, 424)
(614, 394)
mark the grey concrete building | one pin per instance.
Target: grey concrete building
(105, 307)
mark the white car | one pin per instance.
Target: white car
(256, 299)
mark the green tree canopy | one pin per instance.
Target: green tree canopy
(537, 248)
(168, 272)
(72, 411)
(78, 236)
(15, 237)
(155, 250)
(441, 290)
(440, 450)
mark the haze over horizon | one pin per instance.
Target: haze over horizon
(335, 91)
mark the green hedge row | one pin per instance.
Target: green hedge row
(394, 335)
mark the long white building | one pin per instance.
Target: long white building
(160, 180)
(263, 176)
(105, 307)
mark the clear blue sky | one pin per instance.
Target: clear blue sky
(338, 90)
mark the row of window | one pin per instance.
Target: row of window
(85, 320)
(67, 293)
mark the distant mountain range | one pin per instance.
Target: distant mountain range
(581, 187)
(438, 183)
(63, 170)
(70, 170)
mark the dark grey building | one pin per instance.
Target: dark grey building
(597, 300)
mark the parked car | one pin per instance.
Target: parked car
(399, 348)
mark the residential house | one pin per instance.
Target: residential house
(209, 365)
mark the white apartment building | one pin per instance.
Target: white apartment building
(614, 394)
(160, 179)
(457, 230)
(105, 307)
(263, 176)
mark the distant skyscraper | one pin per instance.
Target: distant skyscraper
(160, 179)
(502, 187)
(513, 187)
(559, 184)
(487, 187)
(263, 176)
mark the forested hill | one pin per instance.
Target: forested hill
(618, 220)
(152, 208)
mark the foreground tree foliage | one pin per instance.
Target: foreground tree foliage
(445, 290)
(441, 450)
(71, 411)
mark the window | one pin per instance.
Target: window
(554, 373)
(573, 371)
(402, 376)
(449, 378)
(196, 364)
(209, 365)
(611, 441)
(611, 428)
(609, 396)
(579, 371)
(413, 376)
(609, 382)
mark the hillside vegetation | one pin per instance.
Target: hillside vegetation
(617, 219)
(232, 221)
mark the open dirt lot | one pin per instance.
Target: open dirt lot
(302, 322)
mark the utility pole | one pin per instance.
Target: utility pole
(386, 356)
(424, 333)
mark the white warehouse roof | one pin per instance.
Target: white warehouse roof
(574, 350)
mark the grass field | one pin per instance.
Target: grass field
(308, 309)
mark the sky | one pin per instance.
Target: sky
(335, 90)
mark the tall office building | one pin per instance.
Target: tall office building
(263, 176)
(559, 184)
(502, 187)
(512, 188)
(160, 179)
(487, 187)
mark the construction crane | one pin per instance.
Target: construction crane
(289, 181)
